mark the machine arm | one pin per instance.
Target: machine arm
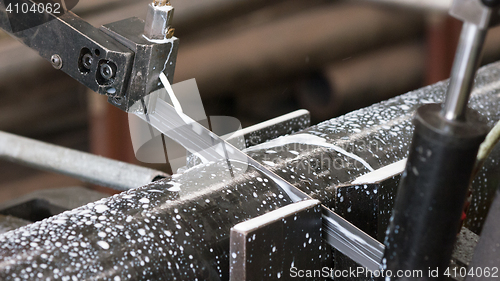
(117, 60)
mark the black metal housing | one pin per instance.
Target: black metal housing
(151, 59)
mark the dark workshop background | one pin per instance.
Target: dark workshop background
(252, 59)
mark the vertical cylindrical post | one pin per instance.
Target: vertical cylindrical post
(486, 255)
(432, 193)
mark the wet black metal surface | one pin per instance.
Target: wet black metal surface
(178, 228)
(64, 35)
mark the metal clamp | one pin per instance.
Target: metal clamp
(121, 60)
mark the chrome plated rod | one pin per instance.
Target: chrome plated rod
(466, 62)
(85, 166)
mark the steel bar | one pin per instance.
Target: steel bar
(81, 165)
(179, 228)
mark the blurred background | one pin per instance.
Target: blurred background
(252, 59)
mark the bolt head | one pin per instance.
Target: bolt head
(56, 61)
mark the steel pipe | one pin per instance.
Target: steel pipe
(81, 165)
